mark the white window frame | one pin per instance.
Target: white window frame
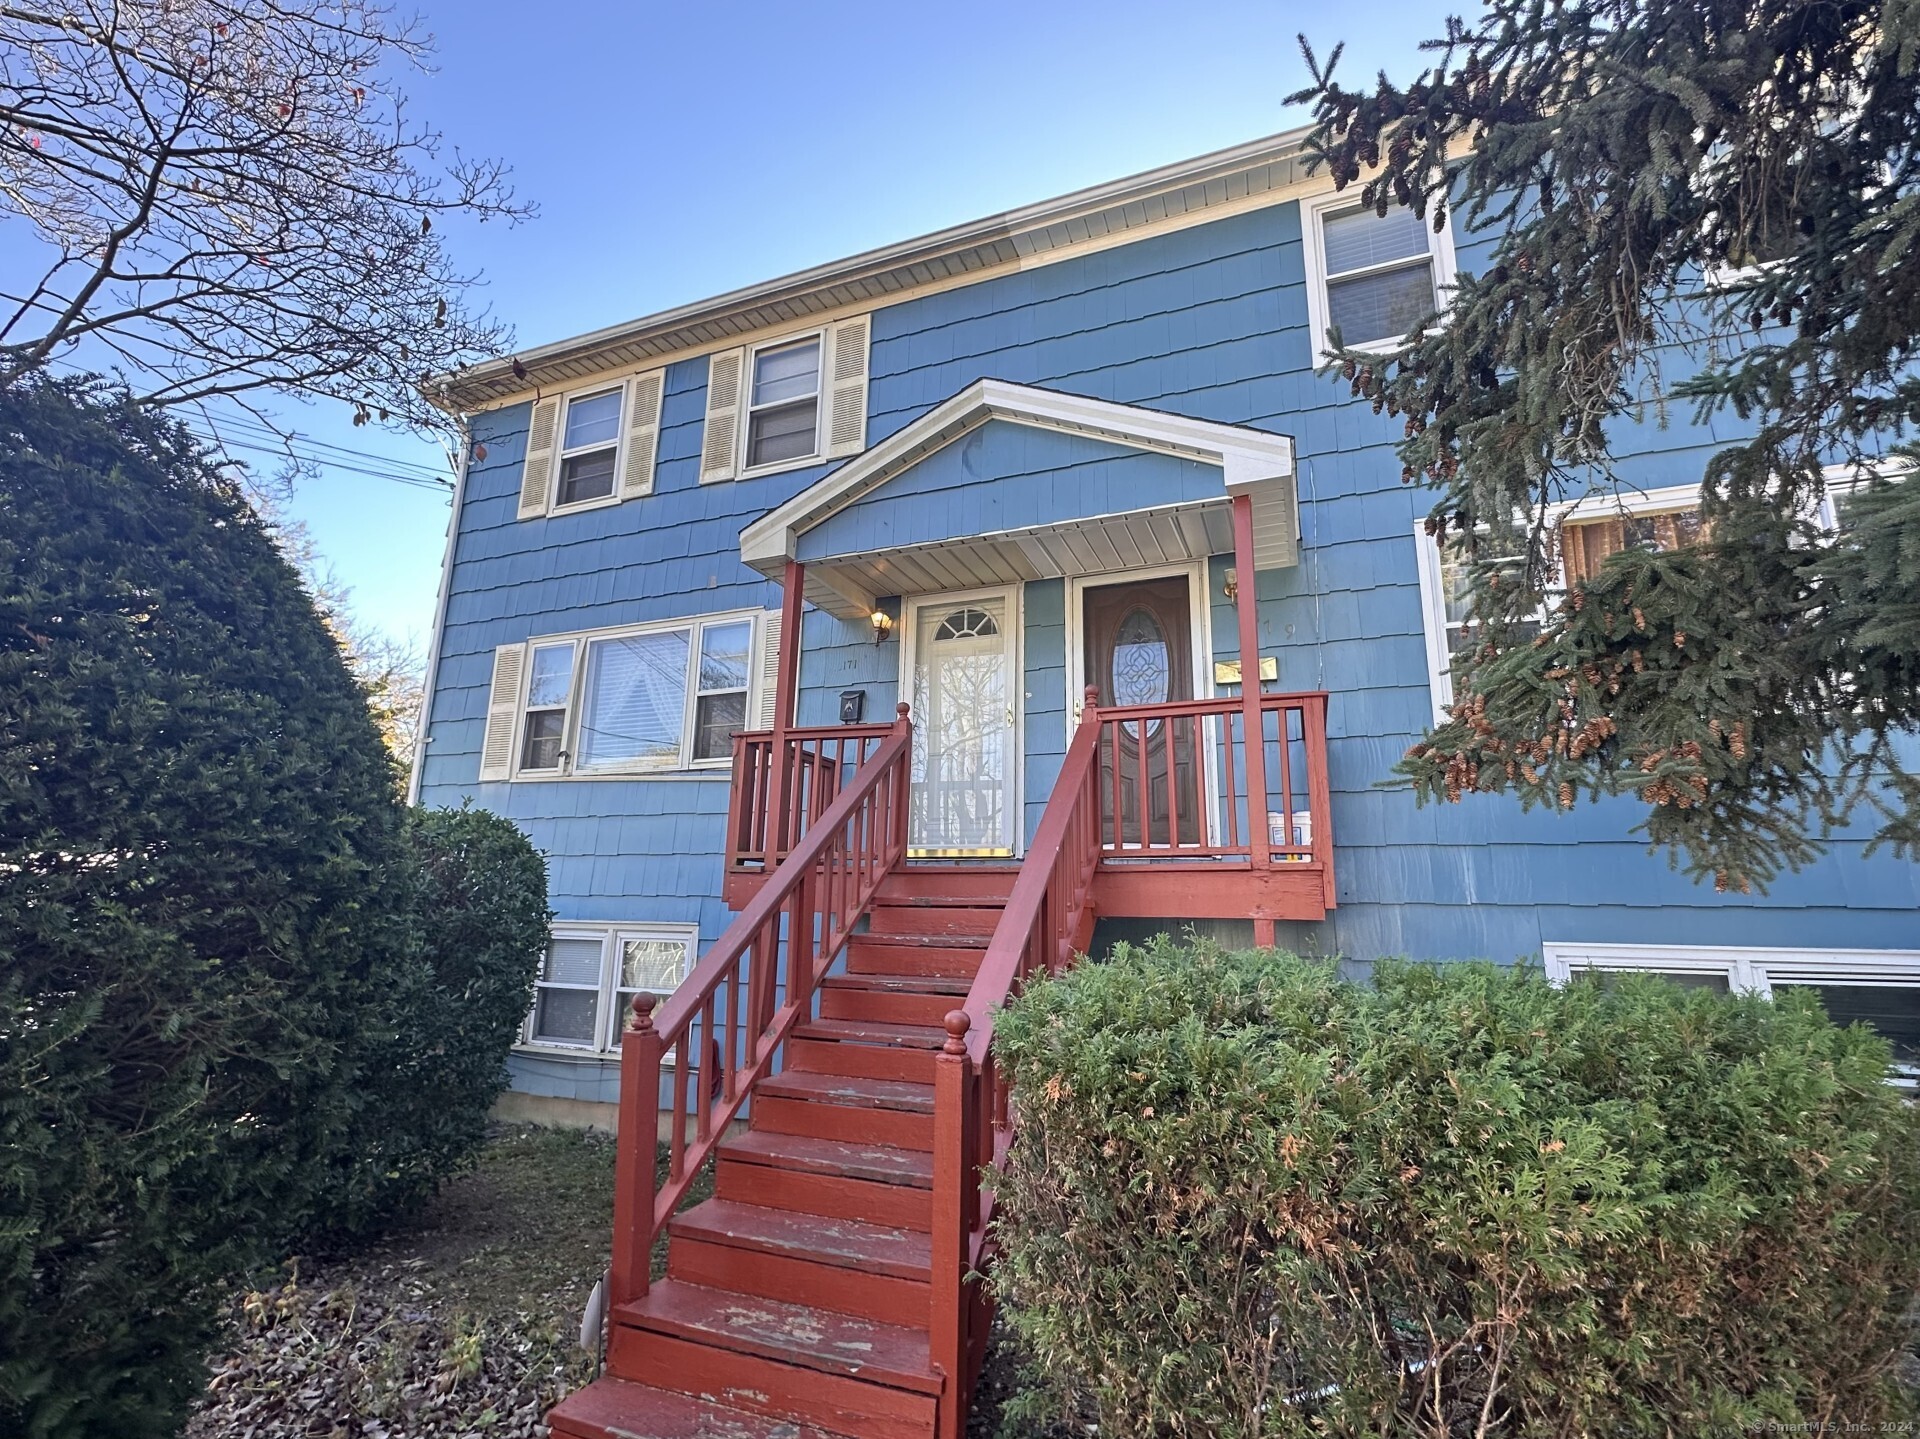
(745, 422)
(561, 453)
(582, 641)
(1313, 213)
(527, 707)
(1748, 969)
(608, 1020)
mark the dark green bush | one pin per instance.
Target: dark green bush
(1249, 1199)
(478, 897)
(239, 1000)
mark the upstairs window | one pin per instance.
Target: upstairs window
(1372, 277)
(783, 408)
(589, 446)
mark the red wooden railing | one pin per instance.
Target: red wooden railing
(1045, 924)
(1176, 781)
(725, 1025)
(818, 761)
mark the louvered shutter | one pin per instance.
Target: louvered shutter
(847, 387)
(503, 712)
(720, 442)
(643, 433)
(537, 478)
(768, 698)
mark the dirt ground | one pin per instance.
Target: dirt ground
(463, 1323)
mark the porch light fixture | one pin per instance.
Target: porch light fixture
(882, 623)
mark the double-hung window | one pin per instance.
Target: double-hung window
(549, 696)
(783, 403)
(590, 975)
(636, 700)
(589, 446)
(1876, 987)
(1372, 277)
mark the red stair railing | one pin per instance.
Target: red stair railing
(725, 1025)
(1046, 922)
(818, 760)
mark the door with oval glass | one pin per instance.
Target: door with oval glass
(1139, 650)
(961, 659)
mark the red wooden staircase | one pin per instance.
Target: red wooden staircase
(829, 1287)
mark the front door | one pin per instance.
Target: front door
(1139, 651)
(963, 732)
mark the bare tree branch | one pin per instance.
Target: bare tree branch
(235, 199)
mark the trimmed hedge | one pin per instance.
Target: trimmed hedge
(242, 997)
(1248, 1198)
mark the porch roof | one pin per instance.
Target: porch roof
(1117, 536)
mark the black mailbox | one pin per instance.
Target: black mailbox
(853, 704)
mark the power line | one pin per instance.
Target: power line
(328, 462)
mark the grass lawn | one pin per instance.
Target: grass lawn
(465, 1321)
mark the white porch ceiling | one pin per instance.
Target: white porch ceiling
(849, 585)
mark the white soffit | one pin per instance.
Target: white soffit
(1253, 461)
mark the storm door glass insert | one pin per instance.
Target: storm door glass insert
(962, 728)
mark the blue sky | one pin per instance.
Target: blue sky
(680, 150)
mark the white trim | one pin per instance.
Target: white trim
(561, 452)
(1252, 460)
(1433, 621)
(611, 934)
(1749, 969)
(1016, 625)
(423, 726)
(685, 766)
(1313, 212)
(744, 420)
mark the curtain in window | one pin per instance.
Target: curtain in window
(635, 705)
(1584, 544)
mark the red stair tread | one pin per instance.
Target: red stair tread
(902, 939)
(854, 1092)
(873, 1031)
(795, 1334)
(901, 983)
(612, 1408)
(879, 1163)
(845, 1243)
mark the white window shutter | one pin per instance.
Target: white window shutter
(503, 712)
(643, 433)
(537, 478)
(769, 696)
(847, 387)
(720, 442)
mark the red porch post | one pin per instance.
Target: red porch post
(1254, 729)
(786, 684)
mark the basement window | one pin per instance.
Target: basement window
(590, 975)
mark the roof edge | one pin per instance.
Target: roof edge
(891, 269)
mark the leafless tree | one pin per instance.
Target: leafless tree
(233, 198)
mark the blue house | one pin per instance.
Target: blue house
(1062, 482)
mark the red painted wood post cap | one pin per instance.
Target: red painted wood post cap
(957, 1026)
(1092, 696)
(643, 1004)
(901, 709)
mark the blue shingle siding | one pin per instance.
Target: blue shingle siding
(1208, 322)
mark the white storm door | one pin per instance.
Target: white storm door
(963, 726)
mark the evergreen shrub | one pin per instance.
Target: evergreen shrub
(1249, 1199)
(436, 1061)
(242, 999)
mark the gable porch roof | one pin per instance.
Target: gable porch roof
(1250, 461)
